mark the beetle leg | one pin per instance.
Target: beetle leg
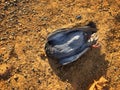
(93, 41)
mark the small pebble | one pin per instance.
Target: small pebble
(4, 71)
(3, 38)
(78, 17)
(39, 81)
(115, 68)
(16, 79)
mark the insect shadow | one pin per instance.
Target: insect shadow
(82, 73)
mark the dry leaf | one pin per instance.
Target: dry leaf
(101, 84)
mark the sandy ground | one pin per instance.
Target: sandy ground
(24, 27)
